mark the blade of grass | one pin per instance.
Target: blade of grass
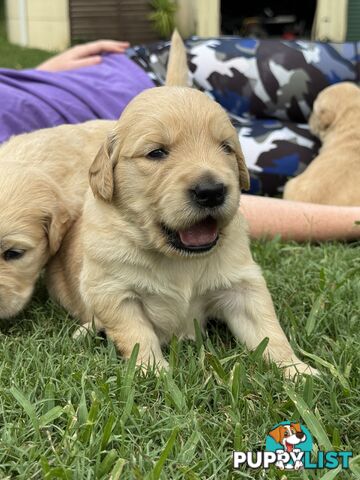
(331, 474)
(50, 416)
(309, 391)
(198, 335)
(309, 418)
(27, 406)
(257, 354)
(107, 463)
(188, 451)
(217, 367)
(108, 428)
(235, 383)
(118, 468)
(355, 465)
(128, 407)
(129, 375)
(174, 393)
(238, 433)
(330, 367)
(50, 395)
(155, 474)
(82, 413)
(314, 313)
(336, 440)
(88, 427)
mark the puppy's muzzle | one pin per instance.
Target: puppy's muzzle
(208, 194)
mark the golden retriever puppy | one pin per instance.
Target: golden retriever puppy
(161, 241)
(43, 179)
(333, 177)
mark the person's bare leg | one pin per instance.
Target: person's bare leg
(299, 221)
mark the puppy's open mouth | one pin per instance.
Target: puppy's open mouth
(289, 446)
(200, 237)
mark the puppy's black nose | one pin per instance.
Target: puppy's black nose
(299, 435)
(209, 194)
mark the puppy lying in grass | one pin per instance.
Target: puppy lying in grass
(43, 179)
(161, 240)
(333, 177)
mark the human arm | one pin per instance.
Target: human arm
(299, 221)
(84, 55)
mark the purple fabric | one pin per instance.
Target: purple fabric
(33, 99)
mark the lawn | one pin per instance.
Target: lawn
(74, 410)
(13, 56)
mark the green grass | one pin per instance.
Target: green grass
(14, 56)
(74, 410)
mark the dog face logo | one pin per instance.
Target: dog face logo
(289, 440)
(288, 435)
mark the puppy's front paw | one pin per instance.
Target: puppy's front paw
(89, 327)
(84, 330)
(148, 364)
(300, 368)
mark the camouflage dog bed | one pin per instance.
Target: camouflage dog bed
(268, 87)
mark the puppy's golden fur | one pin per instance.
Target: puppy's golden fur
(137, 261)
(333, 177)
(43, 179)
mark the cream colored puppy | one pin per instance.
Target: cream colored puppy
(161, 241)
(333, 177)
(43, 179)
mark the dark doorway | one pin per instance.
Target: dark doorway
(264, 18)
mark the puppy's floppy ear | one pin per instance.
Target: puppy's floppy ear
(101, 173)
(296, 426)
(177, 69)
(277, 433)
(324, 113)
(57, 220)
(326, 116)
(244, 177)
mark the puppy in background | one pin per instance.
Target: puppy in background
(43, 179)
(161, 240)
(333, 177)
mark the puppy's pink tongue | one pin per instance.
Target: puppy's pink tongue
(202, 233)
(289, 446)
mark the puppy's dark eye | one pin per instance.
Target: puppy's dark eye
(157, 154)
(226, 148)
(12, 254)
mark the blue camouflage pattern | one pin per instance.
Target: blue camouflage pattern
(268, 88)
